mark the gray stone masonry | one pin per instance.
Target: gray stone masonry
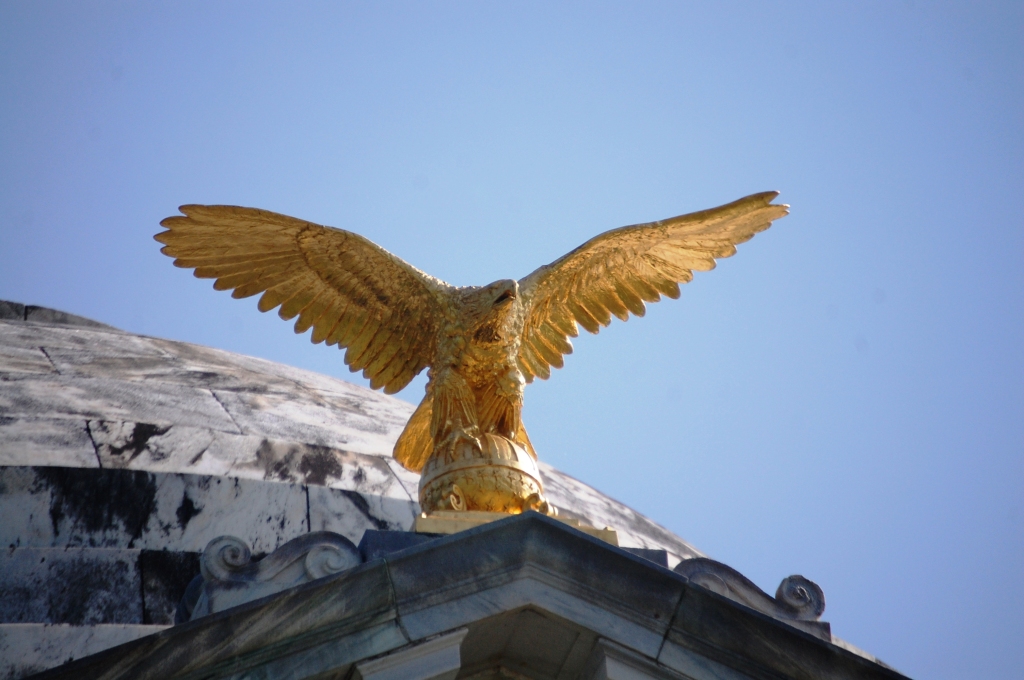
(122, 456)
(531, 596)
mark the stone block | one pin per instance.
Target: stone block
(12, 311)
(149, 446)
(55, 316)
(351, 513)
(254, 372)
(341, 422)
(325, 466)
(192, 510)
(24, 360)
(77, 586)
(45, 442)
(25, 508)
(165, 576)
(191, 450)
(29, 648)
(119, 400)
(67, 507)
(91, 340)
(223, 370)
(115, 364)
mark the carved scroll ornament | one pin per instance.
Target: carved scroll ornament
(231, 577)
(798, 600)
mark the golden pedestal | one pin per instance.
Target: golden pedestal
(501, 478)
(474, 486)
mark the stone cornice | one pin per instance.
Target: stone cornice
(486, 579)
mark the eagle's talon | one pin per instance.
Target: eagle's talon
(462, 443)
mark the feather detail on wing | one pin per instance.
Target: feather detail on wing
(351, 292)
(617, 272)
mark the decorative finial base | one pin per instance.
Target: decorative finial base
(502, 477)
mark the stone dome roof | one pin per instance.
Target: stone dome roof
(122, 456)
(304, 451)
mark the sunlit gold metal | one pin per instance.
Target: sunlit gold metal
(481, 344)
(452, 522)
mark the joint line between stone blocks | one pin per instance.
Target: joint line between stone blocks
(225, 408)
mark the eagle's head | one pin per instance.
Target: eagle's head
(489, 311)
(504, 293)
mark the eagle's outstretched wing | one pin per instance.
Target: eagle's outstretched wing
(350, 291)
(614, 273)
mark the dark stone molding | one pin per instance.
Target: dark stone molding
(798, 601)
(15, 311)
(477, 579)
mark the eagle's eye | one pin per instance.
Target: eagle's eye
(507, 295)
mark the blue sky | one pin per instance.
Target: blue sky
(842, 399)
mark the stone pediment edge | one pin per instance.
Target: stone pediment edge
(530, 568)
(720, 628)
(275, 614)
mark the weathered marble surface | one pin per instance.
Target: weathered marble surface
(25, 360)
(65, 507)
(27, 648)
(165, 406)
(112, 508)
(89, 341)
(87, 586)
(111, 441)
(79, 587)
(350, 513)
(58, 604)
(20, 312)
(25, 396)
(330, 420)
(165, 578)
(45, 441)
(174, 448)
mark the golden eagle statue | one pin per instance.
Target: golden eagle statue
(481, 344)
